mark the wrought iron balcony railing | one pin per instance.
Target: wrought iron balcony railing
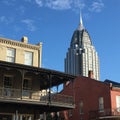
(105, 113)
(35, 96)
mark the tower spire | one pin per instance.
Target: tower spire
(80, 27)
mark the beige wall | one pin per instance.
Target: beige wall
(20, 48)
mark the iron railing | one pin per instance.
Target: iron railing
(95, 115)
(37, 96)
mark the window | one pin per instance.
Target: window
(118, 103)
(10, 55)
(81, 107)
(101, 104)
(8, 80)
(8, 83)
(28, 60)
(27, 84)
(70, 113)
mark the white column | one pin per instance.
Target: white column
(20, 117)
(16, 115)
(30, 118)
(44, 116)
(41, 116)
(13, 117)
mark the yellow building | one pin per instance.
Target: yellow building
(20, 52)
(25, 88)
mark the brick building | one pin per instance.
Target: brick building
(93, 99)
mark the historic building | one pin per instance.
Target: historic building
(21, 52)
(94, 100)
(82, 56)
(25, 88)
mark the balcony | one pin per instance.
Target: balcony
(105, 114)
(35, 97)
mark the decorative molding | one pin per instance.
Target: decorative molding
(20, 44)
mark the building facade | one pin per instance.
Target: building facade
(25, 88)
(25, 92)
(21, 52)
(94, 100)
(82, 56)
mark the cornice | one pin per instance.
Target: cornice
(20, 44)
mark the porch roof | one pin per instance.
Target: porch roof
(48, 78)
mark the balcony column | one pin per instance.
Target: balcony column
(16, 115)
(30, 118)
(44, 116)
(20, 117)
(13, 117)
(50, 83)
(37, 116)
(23, 72)
(57, 88)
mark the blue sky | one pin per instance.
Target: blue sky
(53, 22)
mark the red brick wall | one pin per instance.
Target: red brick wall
(88, 90)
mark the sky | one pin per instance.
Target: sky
(53, 22)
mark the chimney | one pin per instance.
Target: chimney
(24, 39)
(90, 74)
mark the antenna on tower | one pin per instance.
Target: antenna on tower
(81, 22)
(80, 27)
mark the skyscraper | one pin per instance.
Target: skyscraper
(81, 57)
